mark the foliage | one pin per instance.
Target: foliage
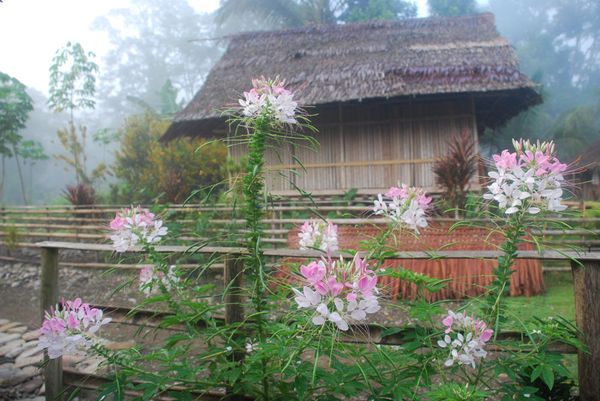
(32, 150)
(80, 194)
(286, 13)
(278, 351)
(152, 42)
(11, 238)
(450, 8)
(72, 88)
(15, 106)
(74, 141)
(559, 47)
(72, 79)
(454, 170)
(150, 170)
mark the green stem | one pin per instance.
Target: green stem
(500, 287)
(254, 209)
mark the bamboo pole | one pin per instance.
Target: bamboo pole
(49, 297)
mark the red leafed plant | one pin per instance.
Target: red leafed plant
(454, 170)
(80, 194)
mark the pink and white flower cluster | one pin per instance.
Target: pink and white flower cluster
(133, 226)
(340, 292)
(465, 337)
(529, 179)
(270, 97)
(404, 205)
(67, 330)
(318, 234)
(151, 276)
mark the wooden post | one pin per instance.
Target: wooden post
(586, 283)
(232, 279)
(48, 298)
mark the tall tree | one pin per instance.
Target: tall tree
(154, 41)
(558, 43)
(15, 106)
(295, 13)
(369, 10)
(451, 8)
(72, 88)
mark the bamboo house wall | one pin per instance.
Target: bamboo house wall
(369, 146)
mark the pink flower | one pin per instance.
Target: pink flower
(366, 285)
(505, 160)
(395, 192)
(117, 223)
(486, 335)
(314, 272)
(448, 320)
(334, 287)
(344, 292)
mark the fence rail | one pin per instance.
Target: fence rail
(585, 267)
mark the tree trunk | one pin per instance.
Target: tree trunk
(21, 181)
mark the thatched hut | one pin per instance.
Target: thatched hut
(388, 95)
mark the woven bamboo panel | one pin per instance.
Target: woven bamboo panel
(468, 277)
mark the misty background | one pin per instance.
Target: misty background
(153, 56)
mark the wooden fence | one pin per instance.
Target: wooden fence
(24, 226)
(585, 268)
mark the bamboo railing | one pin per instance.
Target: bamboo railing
(585, 267)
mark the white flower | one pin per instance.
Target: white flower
(406, 205)
(251, 347)
(318, 234)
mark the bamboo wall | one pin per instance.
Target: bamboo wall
(369, 146)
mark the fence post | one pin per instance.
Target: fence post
(232, 280)
(53, 374)
(586, 283)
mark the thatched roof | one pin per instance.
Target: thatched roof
(354, 62)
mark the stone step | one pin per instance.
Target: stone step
(18, 330)
(9, 325)
(4, 338)
(11, 346)
(31, 335)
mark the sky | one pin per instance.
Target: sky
(32, 30)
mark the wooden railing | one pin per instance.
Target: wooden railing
(24, 226)
(585, 267)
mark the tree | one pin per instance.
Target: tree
(32, 152)
(150, 170)
(451, 8)
(369, 10)
(72, 88)
(154, 41)
(15, 106)
(291, 13)
(558, 43)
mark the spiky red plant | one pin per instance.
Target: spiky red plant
(80, 194)
(454, 171)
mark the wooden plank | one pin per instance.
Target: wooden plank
(49, 294)
(233, 284)
(586, 285)
(359, 163)
(296, 253)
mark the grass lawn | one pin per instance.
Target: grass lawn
(557, 301)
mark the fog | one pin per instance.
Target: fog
(151, 42)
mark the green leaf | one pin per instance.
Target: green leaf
(548, 376)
